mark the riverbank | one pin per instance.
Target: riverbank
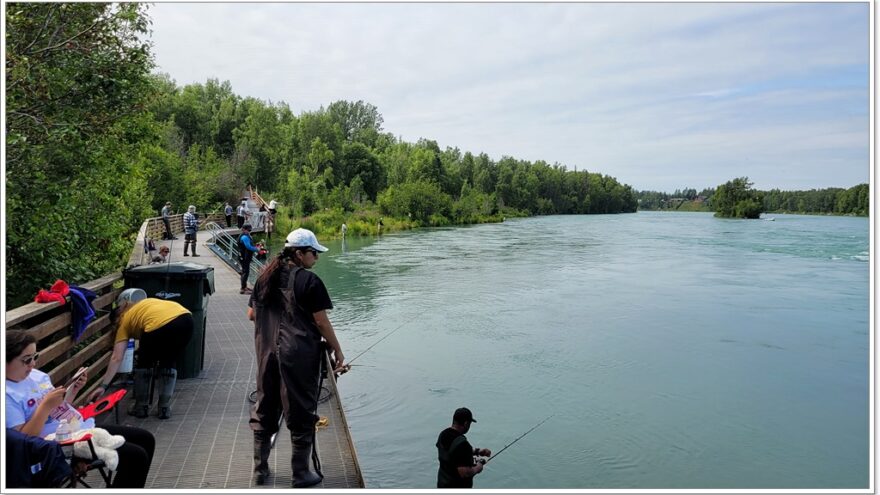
(327, 224)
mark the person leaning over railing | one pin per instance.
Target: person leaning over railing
(163, 328)
(31, 397)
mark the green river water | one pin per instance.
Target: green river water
(676, 350)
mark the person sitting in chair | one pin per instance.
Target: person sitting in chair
(31, 397)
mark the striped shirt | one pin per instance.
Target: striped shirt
(190, 224)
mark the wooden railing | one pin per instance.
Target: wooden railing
(50, 323)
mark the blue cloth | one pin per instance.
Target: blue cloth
(81, 311)
(246, 240)
(32, 462)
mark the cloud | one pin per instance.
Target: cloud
(661, 96)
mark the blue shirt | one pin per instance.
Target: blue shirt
(22, 399)
(246, 241)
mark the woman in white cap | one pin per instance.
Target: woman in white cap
(163, 328)
(289, 308)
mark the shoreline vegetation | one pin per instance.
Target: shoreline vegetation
(97, 142)
(853, 201)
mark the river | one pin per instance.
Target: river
(675, 350)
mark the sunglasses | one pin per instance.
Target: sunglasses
(313, 251)
(30, 359)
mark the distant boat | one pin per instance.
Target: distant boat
(771, 219)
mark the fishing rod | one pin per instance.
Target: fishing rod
(518, 438)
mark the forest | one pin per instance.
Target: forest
(97, 142)
(828, 201)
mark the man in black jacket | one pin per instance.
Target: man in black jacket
(457, 465)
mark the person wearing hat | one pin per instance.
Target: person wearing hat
(166, 219)
(289, 309)
(190, 230)
(457, 466)
(246, 250)
(163, 328)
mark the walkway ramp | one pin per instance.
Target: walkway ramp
(207, 442)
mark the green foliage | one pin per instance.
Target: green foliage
(78, 140)
(737, 199)
(852, 201)
(95, 144)
(415, 200)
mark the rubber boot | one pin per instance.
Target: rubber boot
(262, 448)
(167, 381)
(194, 248)
(185, 248)
(304, 454)
(142, 379)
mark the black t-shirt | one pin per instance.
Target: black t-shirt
(310, 291)
(463, 455)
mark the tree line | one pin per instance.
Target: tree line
(96, 143)
(828, 201)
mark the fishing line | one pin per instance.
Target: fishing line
(383, 338)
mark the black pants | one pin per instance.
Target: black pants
(135, 456)
(245, 271)
(240, 221)
(228, 221)
(167, 222)
(163, 344)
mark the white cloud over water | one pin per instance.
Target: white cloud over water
(661, 96)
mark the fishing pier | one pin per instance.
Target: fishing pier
(207, 443)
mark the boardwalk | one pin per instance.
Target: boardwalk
(207, 442)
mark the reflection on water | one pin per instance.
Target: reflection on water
(677, 350)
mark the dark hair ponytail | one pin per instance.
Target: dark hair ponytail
(270, 277)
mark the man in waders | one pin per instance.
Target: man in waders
(246, 250)
(457, 465)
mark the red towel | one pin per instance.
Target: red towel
(56, 293)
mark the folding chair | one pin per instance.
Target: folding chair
(96, 408)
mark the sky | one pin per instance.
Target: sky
(661, 96)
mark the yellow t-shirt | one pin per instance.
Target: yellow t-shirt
(146, 316)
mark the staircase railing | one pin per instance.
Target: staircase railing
(226, 247)
(269, 221)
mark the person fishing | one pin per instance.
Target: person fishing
(289, 308)
(456, 456)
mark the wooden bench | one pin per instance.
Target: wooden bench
(50, 324)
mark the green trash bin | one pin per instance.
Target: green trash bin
(189, 284)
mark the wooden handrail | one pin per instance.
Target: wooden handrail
(50, 323)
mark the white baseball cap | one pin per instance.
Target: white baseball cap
(304, 238)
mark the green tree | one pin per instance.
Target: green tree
(78, 140)
(737, 199)
(358, 162)
(357, 121)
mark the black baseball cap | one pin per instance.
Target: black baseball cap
(462, 415)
